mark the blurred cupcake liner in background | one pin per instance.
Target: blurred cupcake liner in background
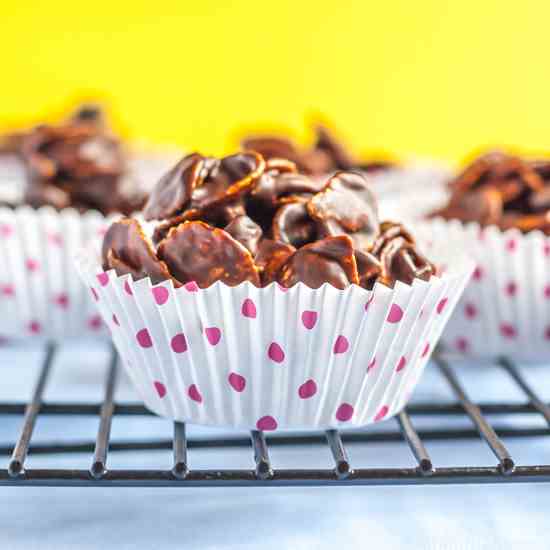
(59, 187)
(497, 211)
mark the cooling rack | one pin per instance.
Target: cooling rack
(262, 473)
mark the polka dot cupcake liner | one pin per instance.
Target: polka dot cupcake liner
(273, 358)
(505, 310)
(41, 295)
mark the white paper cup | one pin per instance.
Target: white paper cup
(272, 358)
(41, 295)
(505, 310)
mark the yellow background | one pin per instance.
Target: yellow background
(430, 77)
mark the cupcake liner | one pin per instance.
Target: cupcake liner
(271, 358)
(40, 294)
(505, 309)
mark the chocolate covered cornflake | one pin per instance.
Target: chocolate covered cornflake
(503, 190)
(241, 218)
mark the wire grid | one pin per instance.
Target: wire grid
(263, 474)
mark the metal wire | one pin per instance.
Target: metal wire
(264, 473)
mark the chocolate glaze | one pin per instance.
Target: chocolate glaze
(262, 222)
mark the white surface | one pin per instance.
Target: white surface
(446, 517)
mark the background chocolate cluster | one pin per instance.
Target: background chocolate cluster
(502, 190)
(78, 164)
(245, 218)
(327, 154)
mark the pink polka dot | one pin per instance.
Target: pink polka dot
(546, 249)
(213, 335)
(426, 350)
(511, 245)
(115, 320)
(191, 286)
(266, 424)
(441, 305)
(547, 292)
(103, 279)
(160, 387)
(309, 318)
(307, 389)
(160, 294)
(282, 288)
(144, 338)
(481, 234)
(94, 293)
(395, 315)
(470, 310)
(8, 290)
(461, 344)
(369, 302)
(179, 343)
(478, 273)
(95, 322)
(32, 265)
(401, 365)
(511, 288)
(248, 309)
(381, 413)
(194, 393)
(6, 230)
(275, 352)
(237, 382)
(508, 330)
(128, 288)
(341, 345)
(372, 364)
(55, 239)
(344, 412)
(35, 327)
(62, 300)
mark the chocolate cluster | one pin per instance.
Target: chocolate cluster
(77, 163)
(327, 154)
(503, 190)
(245, 218)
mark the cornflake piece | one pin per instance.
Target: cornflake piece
(329, 260)
(173, 192)
(293, 225)
(346, 206)
(196, 251)
(368, 268)
(246, 231)
(270, 257)
(126, 249)
(399, 256)
(227, 179)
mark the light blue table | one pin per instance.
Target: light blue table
(435, 517)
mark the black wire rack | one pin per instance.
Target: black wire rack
(506, 470)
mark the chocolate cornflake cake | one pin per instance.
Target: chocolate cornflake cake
(78, 163)
(327, 154)
(245, 218)
(503, 190)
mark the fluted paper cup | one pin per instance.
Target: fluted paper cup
(272, 358)
(41, 295)
(505, 310)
